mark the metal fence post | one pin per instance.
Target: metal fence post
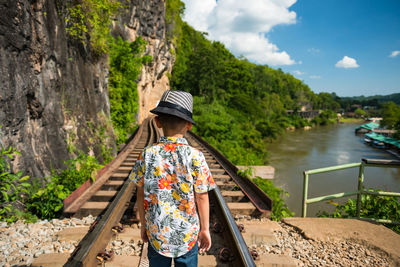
(360, 188)
(305, 194)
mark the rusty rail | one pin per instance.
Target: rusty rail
(260, 200)
(77, 198)
(245, 258)
(96, 240)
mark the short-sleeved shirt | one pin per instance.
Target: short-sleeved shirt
(170, 172)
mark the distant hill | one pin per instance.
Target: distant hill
(378, 98)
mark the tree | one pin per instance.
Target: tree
(360, 113)
(391, 115)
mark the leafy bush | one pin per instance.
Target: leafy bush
(78, 171)
(126, 60)
(47, 202)
(360, 112)
(299, 122)
(12, 187)
(325, 117)
(372, 206)
(279, 208)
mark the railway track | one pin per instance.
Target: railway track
(112, 194)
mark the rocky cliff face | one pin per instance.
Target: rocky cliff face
(147, 19)
(53, 95)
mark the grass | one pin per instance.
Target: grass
(351, 120)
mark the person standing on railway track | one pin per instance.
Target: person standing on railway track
(173, 178)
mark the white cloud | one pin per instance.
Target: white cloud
(197, 13)
(315, 77)
(297, 72)
(242, 25)
(395, 53)
(347, 63)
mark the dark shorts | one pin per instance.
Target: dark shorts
(187, 260)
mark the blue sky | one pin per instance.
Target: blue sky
(332, 45)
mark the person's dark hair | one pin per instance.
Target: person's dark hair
(171, 122)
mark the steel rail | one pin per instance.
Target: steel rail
(96, 240)
(158, 130)
(245, 256)
(259, 199)
(76, 199)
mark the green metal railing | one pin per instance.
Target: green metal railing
(361, 165)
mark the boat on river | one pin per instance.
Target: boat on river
(366, 128)
(368, 140)
(380, 141)
(378, 144)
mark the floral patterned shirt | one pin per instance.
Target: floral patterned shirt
(170, 172)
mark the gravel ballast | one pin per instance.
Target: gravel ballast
(21, 242)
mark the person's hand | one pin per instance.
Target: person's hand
(204, 241)
(143, 234)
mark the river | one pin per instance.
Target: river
(300, 150)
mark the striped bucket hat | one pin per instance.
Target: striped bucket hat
(176, 103)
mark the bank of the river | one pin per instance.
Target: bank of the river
(351, 120)
(325, 146)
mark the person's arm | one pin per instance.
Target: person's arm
(140, 201)
(204, 240)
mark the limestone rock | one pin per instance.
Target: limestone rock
(51, 87)
(54, 92)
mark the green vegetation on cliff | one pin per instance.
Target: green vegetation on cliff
(126, 61)
(89, 22)
(174, 11)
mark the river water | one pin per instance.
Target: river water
(325, 146)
